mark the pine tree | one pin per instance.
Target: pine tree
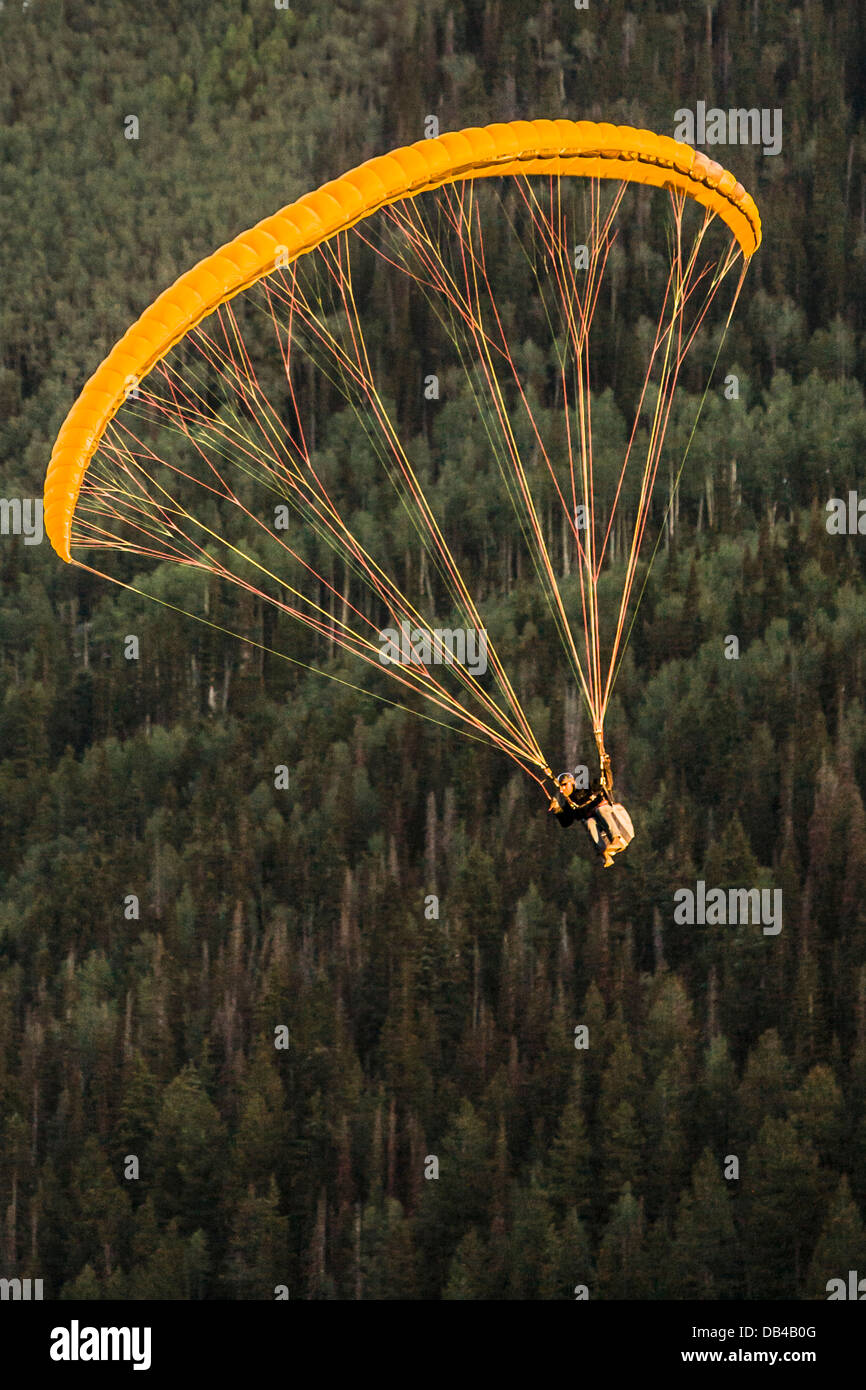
(706, 1252)
(786, 1197)
(841, 1245)
(622, 1272)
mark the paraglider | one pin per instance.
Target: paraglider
(194, 443)
(607, 822)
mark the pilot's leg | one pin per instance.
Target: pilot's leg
(608, 841)
(599, 831)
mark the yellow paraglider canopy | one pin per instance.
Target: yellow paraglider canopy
(560, 147)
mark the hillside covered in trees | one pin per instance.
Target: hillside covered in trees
(149, 1031)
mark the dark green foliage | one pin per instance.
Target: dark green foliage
(420, 1038)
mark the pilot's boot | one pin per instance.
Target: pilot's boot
(616, 846)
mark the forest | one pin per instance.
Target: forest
(168, 902)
